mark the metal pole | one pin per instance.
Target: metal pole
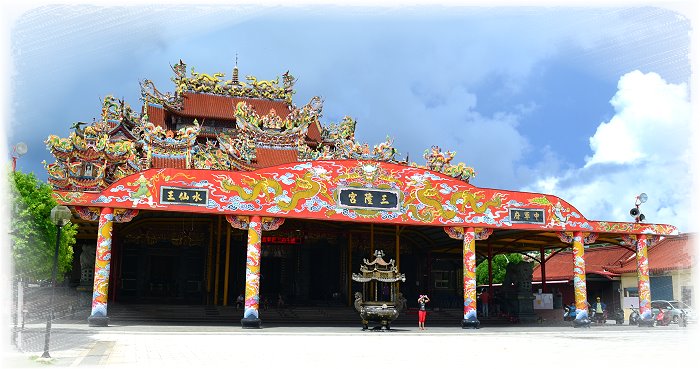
(20, 313)
(543, 273)
(53, 289)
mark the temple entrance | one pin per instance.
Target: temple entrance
(303, 274)
(168, 258)
(164, 276)
(161, 260)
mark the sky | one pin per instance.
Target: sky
(589, 103)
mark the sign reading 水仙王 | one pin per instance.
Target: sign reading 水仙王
(365, 198)
(184, 196)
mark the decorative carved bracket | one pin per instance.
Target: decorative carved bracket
(458, 233)
(92, 214)
(631, 240)
(242, 222)
(568, 237)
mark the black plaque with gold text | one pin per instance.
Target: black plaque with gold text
(529, 216)
(184, 196)
(368, 198)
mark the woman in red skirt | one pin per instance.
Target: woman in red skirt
(422, 300)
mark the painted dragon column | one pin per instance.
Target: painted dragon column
(98, 316)
(645, 312)
(469, 263)
(252, 274)
(580, 298)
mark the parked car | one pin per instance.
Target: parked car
(673, 308)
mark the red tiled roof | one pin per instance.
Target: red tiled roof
(267, 157)
(168, 163)
(599, 260)
(314, 132)
(156, 115)
(201, 106)
(668, 254)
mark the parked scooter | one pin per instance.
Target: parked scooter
(662, 319)
(619, 316)
(634, 316)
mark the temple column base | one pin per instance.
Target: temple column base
(98, 321)
(646, 322)
(582, 323)
(251, 323)
(474, 324)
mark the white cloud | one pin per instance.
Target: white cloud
(652, 122)
(644, 148)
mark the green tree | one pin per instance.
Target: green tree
(498, 268)
(33, 234)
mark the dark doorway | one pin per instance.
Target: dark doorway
(161, 275)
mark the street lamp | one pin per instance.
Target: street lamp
(60, 216)
(635, 212)
(17, 151)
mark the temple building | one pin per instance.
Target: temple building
(226, 187)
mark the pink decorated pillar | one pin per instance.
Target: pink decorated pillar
(469, 264)
(251, 318)
(645, 312)
(103, 255)
(580, 296)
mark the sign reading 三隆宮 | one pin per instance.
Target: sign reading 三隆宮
(531, 216)
(365, 198)
(184, 196)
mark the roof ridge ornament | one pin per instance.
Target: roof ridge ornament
(439, 161)
(214, 84)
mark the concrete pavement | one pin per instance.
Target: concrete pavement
(142, 345)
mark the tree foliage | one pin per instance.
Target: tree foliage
(33, 233)
(498, 268)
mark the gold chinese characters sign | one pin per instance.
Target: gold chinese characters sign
(183, 196)
(364, 198)
(531, 216)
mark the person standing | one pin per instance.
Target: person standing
(485, 299)
(422, 300)
(599, 310)
(240, 302)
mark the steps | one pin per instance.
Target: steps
(311, 315)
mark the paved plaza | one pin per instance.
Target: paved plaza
(194, 346)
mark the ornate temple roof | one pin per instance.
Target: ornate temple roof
(198, 105)
(216, 124)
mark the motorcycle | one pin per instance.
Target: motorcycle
(661, 318)
(634, 316)
(619, 316)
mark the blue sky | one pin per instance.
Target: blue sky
(591, 104)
